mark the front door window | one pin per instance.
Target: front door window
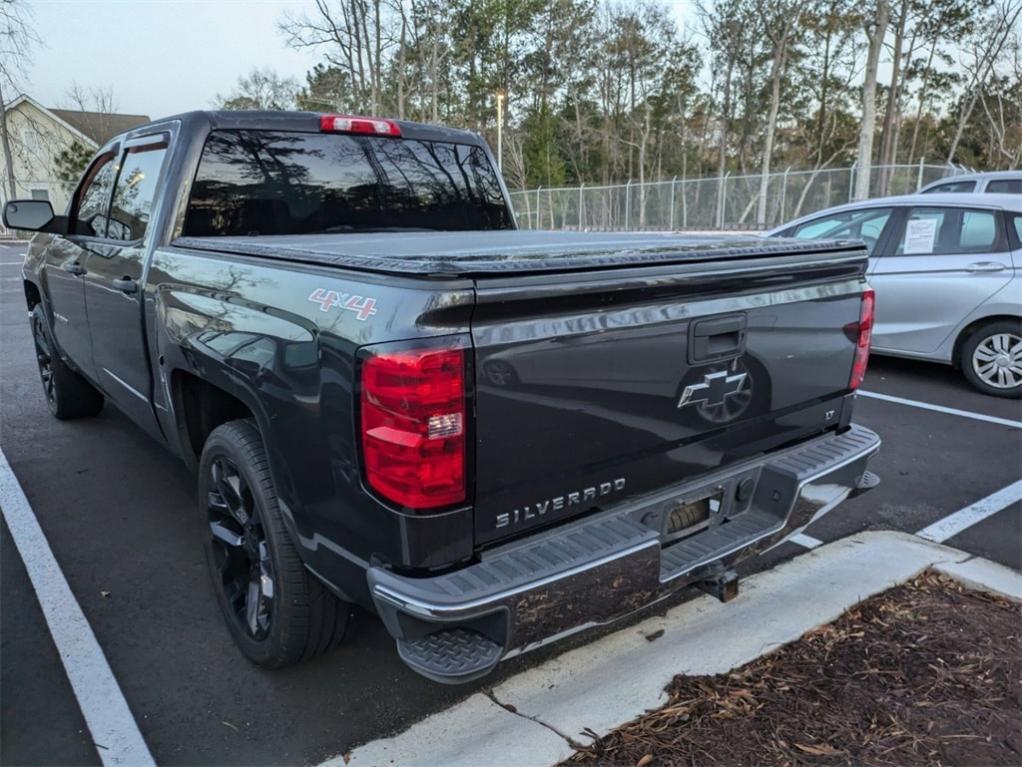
(92, 200)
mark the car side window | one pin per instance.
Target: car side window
(945, 231)
(92, 200)
(865, 225)
(135, 191)
(951, 186)
(1016, 227)
(1004, 186)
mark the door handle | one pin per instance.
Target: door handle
(125, 285)
(986, 266)
(74, 268)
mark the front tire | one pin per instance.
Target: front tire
(277, 613)
(991, 358)
(68, 395)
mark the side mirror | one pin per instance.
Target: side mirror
(32, 216)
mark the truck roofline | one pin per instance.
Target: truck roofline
(304, 122)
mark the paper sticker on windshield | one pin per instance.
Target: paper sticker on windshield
(363, 307)
(920, 234)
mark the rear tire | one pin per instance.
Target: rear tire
(991, 358)
(277, 613)
(68, 395)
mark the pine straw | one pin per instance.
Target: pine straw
(926, 673)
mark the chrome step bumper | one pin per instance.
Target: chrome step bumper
(457, 626)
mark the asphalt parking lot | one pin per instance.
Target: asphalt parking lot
(119, 514)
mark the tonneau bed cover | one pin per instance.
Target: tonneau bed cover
(466, 254)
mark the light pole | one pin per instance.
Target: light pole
(500, 130)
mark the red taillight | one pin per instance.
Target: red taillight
(866, 310)
(413, 426)
(356, 124)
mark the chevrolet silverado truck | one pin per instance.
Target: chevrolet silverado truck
(394, 398)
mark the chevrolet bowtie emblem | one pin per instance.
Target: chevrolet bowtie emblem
(715, 388)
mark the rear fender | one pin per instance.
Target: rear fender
(264, 358)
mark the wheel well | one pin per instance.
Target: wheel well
(32, 297)
(972, 327)
(203, 407)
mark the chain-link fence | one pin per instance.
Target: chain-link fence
(728, 202)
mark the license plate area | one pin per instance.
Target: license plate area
(690, 516)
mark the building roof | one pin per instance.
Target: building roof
(100, 126)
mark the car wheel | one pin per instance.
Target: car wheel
(68, 395)
(277, 613)
(991, 359)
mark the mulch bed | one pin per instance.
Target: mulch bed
(926, 673)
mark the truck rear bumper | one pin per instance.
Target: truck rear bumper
(457, 626)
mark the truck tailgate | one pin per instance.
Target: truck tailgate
(595, 386)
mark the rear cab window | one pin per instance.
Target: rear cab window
(944, 231)
(255, 182)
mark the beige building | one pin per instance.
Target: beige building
(38, 135)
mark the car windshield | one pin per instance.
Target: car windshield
(276, 182)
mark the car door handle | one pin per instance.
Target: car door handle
(75, 268)
(125, 285)
(986, 266)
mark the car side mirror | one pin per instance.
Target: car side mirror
(33, 216)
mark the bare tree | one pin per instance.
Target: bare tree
(983, 51)
(875, 25)
(888, 140)
(17, 39)
(782, 19)
(99, 100)
(1002, 108)
(353, 38)
(260, 89)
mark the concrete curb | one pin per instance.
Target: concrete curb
(530, 718)
(984, 575)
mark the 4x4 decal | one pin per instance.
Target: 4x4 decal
(363, 307)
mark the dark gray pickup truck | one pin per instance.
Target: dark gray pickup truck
(394, 398)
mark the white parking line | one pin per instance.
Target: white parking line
(106, 712)
(942, 409)
(953, 524)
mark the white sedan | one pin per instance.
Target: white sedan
(946, 270)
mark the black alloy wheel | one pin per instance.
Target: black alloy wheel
(240, 549)
(44, 357)
(68, 394)
(277, 612)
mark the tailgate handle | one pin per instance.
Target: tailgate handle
(717, 338)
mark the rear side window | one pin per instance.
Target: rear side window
(1005, 186)
(1016, 230)
(275, 182)
(942, 231)
(135, 191)
(952, 186)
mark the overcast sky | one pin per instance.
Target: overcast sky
(163, 56)
(159, 56)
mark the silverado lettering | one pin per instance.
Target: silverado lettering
(531, 511)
